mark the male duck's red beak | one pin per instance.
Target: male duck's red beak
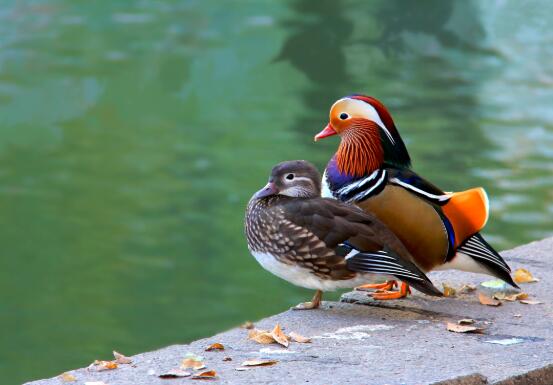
(328, 131)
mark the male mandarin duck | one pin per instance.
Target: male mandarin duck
(321, 243)
(372, 169)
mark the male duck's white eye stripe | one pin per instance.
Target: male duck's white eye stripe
(369, 112)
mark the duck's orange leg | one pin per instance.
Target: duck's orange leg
(401, 293)
(386, 286)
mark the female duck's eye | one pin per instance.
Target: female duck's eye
(290, 176)
(344, 116)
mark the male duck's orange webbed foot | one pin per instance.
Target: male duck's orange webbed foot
(386, 295)
(386, 286)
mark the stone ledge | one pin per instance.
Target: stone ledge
(396, 342)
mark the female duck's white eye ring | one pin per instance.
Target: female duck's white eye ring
(290, 176)
(344, 116)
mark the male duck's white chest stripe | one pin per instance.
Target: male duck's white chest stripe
(302, 277)
(358, 190)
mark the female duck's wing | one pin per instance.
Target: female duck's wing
(359, 242)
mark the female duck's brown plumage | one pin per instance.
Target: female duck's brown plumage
(372, 170)
(320, 243)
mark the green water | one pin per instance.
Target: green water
(132, 135)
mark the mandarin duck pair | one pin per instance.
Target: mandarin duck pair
(369, 219)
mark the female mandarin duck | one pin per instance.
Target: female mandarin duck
(372, 169)
(320, 243)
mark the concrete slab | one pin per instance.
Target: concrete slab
(361, 341)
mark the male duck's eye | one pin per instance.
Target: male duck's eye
(290, 176)
(344, 116)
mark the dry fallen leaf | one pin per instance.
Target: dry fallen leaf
(499, 296)
(215, 346)
(120, 358)
(524, 276)
(192, 361)
(259, 362)
(99, 365)
(449, 291)
(189, 363)
(279, 336)
(208, 375)
(467, 288)
(261, 336)
(299, 338)
(465, 321)
(520, 296)
(268, 337)
(456, 328)
(530, 302)
(512, 297)
(175, 373)
(67, 377)
(485, 300)
(247, 325)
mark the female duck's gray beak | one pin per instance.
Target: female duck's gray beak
(269, 189)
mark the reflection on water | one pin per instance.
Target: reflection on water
(132, 135)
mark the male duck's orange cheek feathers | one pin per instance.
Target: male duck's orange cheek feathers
(468, 212)
(360, 151)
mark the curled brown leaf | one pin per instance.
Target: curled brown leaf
(175, 373)
(99, 365)
(261, 336)
(467, 288)
(259, 362)
(207, 375)
(456, 328)
(192, 361)
(485, 300)
(67, 377)
(121, 359)
(299, 338)
(215, 346)
(449, 291)
(530, 302)
(511, 297)
(524, 276)
(247, 325)
(279, 336)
